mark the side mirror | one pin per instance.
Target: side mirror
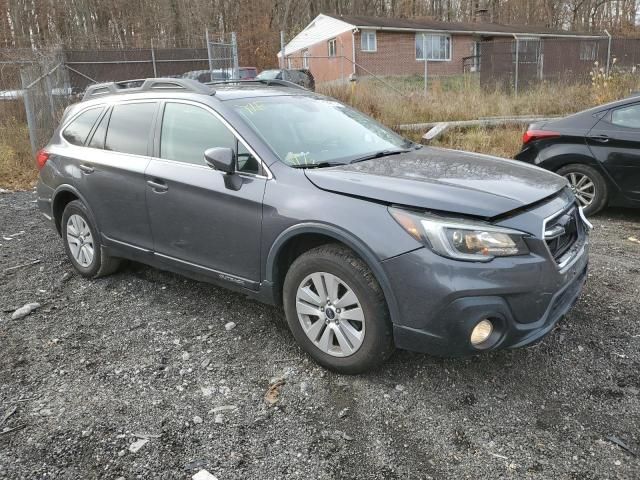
(222, 159)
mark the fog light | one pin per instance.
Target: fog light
(481, 332)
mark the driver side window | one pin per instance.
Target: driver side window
(188, 130)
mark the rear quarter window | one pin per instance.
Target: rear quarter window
(627, 116)
(130, 127)
(77, 131)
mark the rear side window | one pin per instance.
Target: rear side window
(187, 131)
(77, 131)
(129, 128)
(97, 140)
(627, 117)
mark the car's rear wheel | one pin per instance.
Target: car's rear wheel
(588, 186)
(82, 242)
(337, 311)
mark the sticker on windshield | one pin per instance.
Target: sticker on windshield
(254, 107)
(299, 158)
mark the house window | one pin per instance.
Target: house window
(305, 59)
(368, 41)
(588, 51)
(436, 47)
(529, 50)
(332, 47)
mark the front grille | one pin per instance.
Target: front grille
(562, 233)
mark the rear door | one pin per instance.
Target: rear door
(198, 220)
(615, 142)
(113, 172)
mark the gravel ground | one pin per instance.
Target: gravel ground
(143, 359)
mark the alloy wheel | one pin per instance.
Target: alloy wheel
(80, 240)
(330, 314)
(583, 187)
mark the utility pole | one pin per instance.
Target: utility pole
(282, 49)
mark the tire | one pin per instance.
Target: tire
(599, 194)
(354, 346)
(96, 264)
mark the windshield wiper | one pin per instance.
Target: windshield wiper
(316, 165)
(381, 153)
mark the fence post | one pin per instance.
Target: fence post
(52, 105)
(209, 56)
(234, 53)
(153, 60)
(608, 52)
(31, 123)
(424, 57)
(517, 63)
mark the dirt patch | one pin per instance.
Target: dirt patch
(101, 365)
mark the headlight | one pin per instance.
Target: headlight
(461, 239)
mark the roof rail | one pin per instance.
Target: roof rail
(262, 81)
(146, 85)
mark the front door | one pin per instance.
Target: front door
(197, 219)
(615, 141)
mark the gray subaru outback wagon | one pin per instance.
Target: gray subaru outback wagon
(367, 240)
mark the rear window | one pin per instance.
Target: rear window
(77, 131)
(129, 128)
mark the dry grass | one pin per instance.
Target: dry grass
(467, 103)
(502, 141)
(17, 167)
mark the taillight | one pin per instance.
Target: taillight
(531, 135)
(41, 158)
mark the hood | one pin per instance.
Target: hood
(444, 180)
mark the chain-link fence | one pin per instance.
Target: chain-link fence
(521, 62)
(341, 69)
(222, 51)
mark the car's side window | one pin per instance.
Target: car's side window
(129, 128)
(626, 116)
(188, 130)
(97, 139)
(77, 131)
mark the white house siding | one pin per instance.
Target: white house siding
(320, 29)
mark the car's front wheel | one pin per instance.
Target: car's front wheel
(82, 242)
(588, 186)
(337, 311)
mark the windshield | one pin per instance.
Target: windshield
(269, 75)
(304, 131)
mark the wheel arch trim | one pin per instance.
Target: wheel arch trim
(342, 236)
(66, 188)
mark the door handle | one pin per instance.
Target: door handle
(600, 138)
(86, 169)
(158, 185)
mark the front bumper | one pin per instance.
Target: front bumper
(441, 300)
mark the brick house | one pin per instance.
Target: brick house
(335, 47)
